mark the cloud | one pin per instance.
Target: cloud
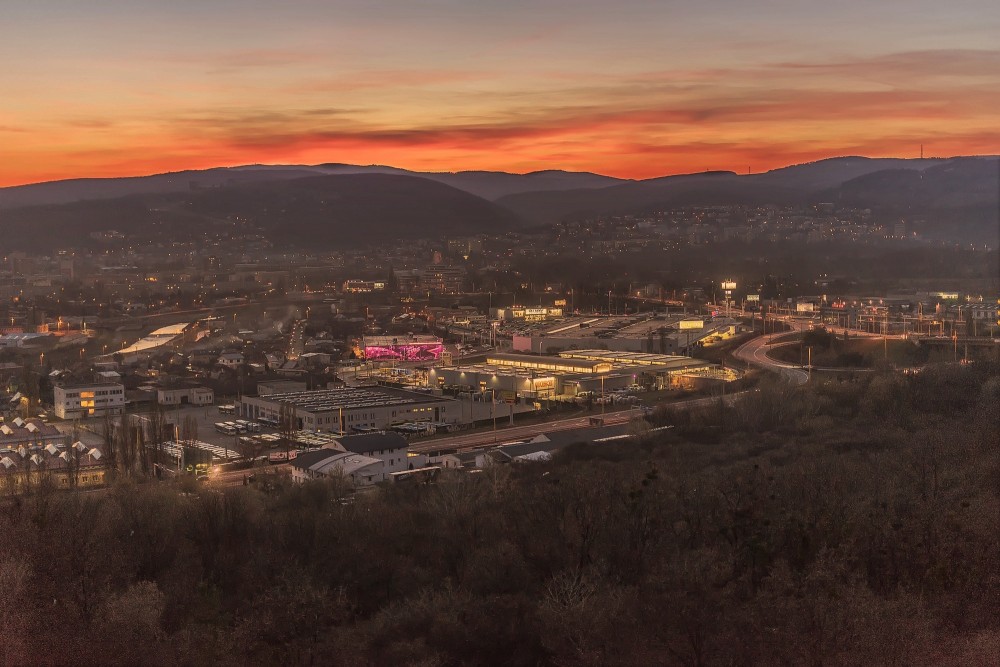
(638, 123)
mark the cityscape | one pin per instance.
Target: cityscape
(463, 374)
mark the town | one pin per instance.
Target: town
(227, 358)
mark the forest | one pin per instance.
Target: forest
(851, 522)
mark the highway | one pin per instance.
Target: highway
(755, 350)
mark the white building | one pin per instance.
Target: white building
(231, 359)
(327, 463)
(391, 449)
(185, 396)
(88, 400)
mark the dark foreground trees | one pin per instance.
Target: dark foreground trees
(855, 522)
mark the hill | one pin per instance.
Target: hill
(932, 184)
(317, 211)
(487, 184)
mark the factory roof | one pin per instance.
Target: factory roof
(347, 398)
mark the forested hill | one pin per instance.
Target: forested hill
(315, 212)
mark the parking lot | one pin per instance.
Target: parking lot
(206, 419)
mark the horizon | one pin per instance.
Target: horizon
(497, 171)
(635, 91)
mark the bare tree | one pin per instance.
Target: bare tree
(288, 424)
(189, 429)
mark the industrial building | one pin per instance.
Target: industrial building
(654, 334)
(525, 314)
(402, 348)
(566, 375)
(156, 341)
(351, 409)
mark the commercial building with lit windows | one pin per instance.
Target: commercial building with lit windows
(351, 410)
(80, 401)
(570, 373)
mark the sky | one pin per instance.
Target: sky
(633, 89)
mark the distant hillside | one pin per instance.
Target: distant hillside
(640, 196)
(89, 189)
(832, 172)
(318, 211)
(495, 184)
(343, 204)
(354, 209)
(487, 184)
(962, 182)
(861, 182)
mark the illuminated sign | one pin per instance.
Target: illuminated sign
(544, 383)
(753, 297)
(728, 285)
(404, 352)
(560, 302)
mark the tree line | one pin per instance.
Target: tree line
(850, 522)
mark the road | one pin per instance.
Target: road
(517, 433)
(754, 352)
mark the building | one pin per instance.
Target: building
(230, 359)
(389, 448)
(351, 408)
(185, 395)
(364, 286)
(268, 387)
(655, 334)
(169, 337)
(80, 401)
(567, 375)
(330, 463)
(523, 314)
(443, 279)
(402, 348)
(19, 432)
(34, 453)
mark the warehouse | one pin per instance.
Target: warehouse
(352, 409)
(566, 375)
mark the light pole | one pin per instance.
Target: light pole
(602, 396)
(493, 412)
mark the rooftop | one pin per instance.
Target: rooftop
(370, 442)
(347, 398)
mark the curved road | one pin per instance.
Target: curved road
(754, 352)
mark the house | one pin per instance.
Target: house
(230, 359)
(326, 463)
(454, 460)
(389, 448)
(33, 452)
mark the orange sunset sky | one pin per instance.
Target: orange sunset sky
(631, 89)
